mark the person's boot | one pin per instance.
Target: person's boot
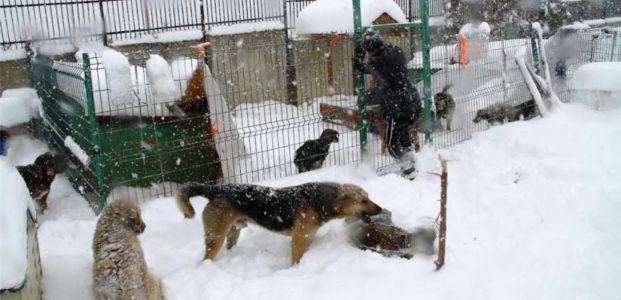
(408, 165)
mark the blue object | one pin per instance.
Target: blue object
(3, 146)
(4, 142)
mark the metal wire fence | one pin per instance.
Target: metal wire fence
(118, 22)
(146, 147)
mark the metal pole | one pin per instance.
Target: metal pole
(362, 113)
(534, 49)
(614, 44)
(290, 71)
(94, 129)
(424, 7)
(104, 33)
(203, 29)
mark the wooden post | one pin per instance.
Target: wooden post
(442, 230)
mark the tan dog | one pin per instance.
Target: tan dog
(119, 268)
(297, 211)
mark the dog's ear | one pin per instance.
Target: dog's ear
(134, 221)
(22, 171)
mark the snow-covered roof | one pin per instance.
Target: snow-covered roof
(470, 28)
(327, 16)
(15, 203)
(599, 76)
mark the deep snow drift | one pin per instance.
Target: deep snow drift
(533, 213)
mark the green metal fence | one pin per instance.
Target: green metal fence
(145, 149)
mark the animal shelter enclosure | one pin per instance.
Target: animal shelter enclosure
(237, 111)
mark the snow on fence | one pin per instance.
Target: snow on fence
(144, 147)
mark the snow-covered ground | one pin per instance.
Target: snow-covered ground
(533, 213)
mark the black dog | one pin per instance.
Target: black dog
(311, 155)
(445, 107)
(498, 113)
(40, 174)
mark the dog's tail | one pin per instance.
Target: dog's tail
(188, 190)
(447, 87)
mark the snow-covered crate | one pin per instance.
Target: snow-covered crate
(20, 267)
(129, 137)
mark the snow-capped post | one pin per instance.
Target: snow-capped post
(362, 112)
(442, 218)
(90, 105)
(530, 83)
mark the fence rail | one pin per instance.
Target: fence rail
(112, 21)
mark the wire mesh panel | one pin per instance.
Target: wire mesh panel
(56, 21)
(571, 48)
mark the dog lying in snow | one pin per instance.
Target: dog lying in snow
(297, 211)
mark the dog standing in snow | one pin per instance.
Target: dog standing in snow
(297, 211)
(311, 155)
(40, 174)
(445, 107)
(119, 268)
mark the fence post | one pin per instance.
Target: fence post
(424, 7)
(104, 30)
(534, 49)
(614, 44)
(203, 29)
(94, 129)
(362, 111)
(290, 70)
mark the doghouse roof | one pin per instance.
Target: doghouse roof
(328, 16)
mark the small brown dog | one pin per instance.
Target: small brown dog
(40, 174)
(119, 268)
(297, 211)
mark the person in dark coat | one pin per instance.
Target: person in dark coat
(399, 101)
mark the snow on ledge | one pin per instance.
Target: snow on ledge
(246, 28)
(327, 16)
(15, 203)
(77, 150)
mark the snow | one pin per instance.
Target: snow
(471, 29)
(118, 77)
(161, 37)
(18, 106)
(532, 213)
(161, 80)
(597, 85)
(246, 28)
(327, 16)
(77, 151)
(15, 202)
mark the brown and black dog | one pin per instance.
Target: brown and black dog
(297, 211)
(40, 174)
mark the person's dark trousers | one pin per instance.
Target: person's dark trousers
(398, 136)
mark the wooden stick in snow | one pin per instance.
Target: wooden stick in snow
(442, 231)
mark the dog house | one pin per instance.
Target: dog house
(140, 144)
